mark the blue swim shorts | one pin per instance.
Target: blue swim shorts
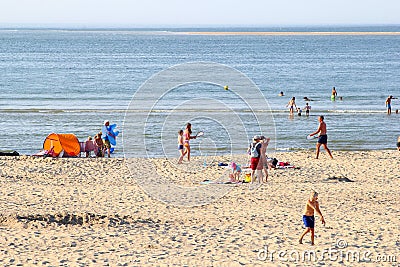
(309, 221)
(323, 139)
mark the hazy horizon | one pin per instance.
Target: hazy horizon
(172, 26)
(181, 13)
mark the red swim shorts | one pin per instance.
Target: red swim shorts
(254, 163)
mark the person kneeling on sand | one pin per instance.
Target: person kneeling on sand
(308, 216)
(236, 171)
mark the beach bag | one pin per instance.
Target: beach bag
(255, 150)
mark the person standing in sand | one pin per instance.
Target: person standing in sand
(292, 105)
(180, 146)
(308, 216)
(187, 136)
(322, 138)
(254, 150)
(107, 132)
(263, 164)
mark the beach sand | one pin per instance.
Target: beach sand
(80, 212)
(291, 33)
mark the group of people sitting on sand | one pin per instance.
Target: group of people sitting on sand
(101, 144)
(96, 145)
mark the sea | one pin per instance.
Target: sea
(71, 80)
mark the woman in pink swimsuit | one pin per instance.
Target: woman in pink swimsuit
(187, 136)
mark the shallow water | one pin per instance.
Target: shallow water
(70, 81)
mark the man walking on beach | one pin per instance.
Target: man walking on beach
(308, 216)
(322, 138)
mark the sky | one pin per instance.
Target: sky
(135, 13)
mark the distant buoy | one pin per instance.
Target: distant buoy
(226, 87)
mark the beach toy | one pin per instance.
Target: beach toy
(247, 178)
(309, 137)
(201, 133)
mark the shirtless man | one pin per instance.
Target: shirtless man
(322, 138)
(308, 217)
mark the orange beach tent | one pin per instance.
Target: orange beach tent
(67, 142)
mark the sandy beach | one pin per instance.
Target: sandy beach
(290, 33)
(94, 212)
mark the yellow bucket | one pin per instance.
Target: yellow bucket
(247, 178)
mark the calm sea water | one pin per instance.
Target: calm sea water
(69, 81)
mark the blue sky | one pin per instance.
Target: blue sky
(200, 12)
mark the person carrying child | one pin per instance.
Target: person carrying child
(308, 216)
